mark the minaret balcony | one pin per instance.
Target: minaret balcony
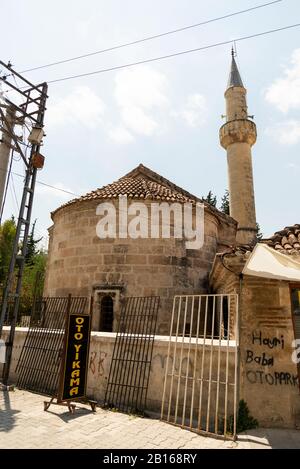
(238, 131)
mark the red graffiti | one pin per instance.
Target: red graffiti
(97, 361)
(92, 362)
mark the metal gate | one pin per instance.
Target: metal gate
(132, 354)
(200, 388)
(39, 363)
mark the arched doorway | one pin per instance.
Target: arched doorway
(106, 314)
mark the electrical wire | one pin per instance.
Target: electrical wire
(43, 183)
(149, 38)
(6, 186)
(14, 191)
(175, 54)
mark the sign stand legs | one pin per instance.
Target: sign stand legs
(71, 406)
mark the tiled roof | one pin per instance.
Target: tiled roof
(143, 183)
(135, 188)
(140, 183)
(286, 241)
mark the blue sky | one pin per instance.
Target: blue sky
(165, 114)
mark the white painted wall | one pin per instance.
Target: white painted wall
(101, 349)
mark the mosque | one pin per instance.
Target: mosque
(265, 275)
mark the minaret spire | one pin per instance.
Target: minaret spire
(234, 78)
(237, 136)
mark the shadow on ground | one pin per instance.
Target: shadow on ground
(275, 438)
(7, 414)
(68, 416)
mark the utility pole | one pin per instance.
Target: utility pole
(5, 147)
(30, 109)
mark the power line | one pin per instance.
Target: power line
(175, 54)
(149, 38)
(43, 183)
(14, 200)
(57, 188)
(14, 190)
(6, 186)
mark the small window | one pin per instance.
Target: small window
(295, 293)
(106, 314)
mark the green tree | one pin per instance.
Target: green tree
(245, 421)
(259, 234)
(35, 265)
(33, 281)
(225, 203)
(210, 199)
(32, 243)
(7, 236)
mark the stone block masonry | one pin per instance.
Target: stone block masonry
(81, 263)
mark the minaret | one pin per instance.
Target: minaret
(237, 136)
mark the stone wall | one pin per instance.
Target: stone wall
(101, 349)
(269, 378)
(80, 263)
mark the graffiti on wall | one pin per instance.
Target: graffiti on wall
(96, 363)
(161, 360)
(263, 356)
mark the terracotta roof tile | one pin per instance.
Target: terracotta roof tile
(135, 188)
(286, 241)
(143, 183)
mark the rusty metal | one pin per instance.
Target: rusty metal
(39, 363)
(132, 354)
(201, 379)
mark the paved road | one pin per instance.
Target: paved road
(24, 424)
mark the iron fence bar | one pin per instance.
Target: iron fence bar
(22, 351)
(136, 385)
(236, 365)
(144, 349)
(156, 306)
(122, 338)
(114, 363)
(188, 361)
(135, 353)
(202, 367)
(140, 397)
(127, 339)
(227, 366)
(174, 358)
(206, 380)
(43, 336)
(210, 365)
(180, 360)
(127, 384)
(137, 344)
(46, 335)
(219, 363)
(195, 359)
(217, 382)
(30, 344)
(167, 362)
(51, 337)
